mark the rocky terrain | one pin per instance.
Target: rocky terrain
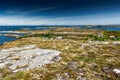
(26, 57)
(73, 54)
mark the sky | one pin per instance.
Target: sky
(59, 12)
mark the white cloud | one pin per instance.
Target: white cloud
(20, 11)
(17, 21)
(36, 10)
(13, 11)
(73, 20)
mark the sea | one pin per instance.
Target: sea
(4, 39)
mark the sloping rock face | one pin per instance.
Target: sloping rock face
(27, 57)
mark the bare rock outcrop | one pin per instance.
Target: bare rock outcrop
(27, 57)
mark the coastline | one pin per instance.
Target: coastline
(23, 30)
(82, 52)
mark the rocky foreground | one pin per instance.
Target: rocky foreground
(62, 54)
(26, 57)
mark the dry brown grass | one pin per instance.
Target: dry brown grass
(90, 59)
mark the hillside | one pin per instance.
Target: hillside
(84, 55)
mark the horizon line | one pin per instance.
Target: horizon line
(60, 25)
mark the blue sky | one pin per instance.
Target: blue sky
(59, 12)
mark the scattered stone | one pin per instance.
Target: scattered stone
(1, 75)
(36, 77)
(67, 75)
(59, 38)
(105, 69)
(113, 37)
(73, 65)
(81, 78)
(59, 77)
(81, 72)
(116, 43)
(117, 71)
(15, 71)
